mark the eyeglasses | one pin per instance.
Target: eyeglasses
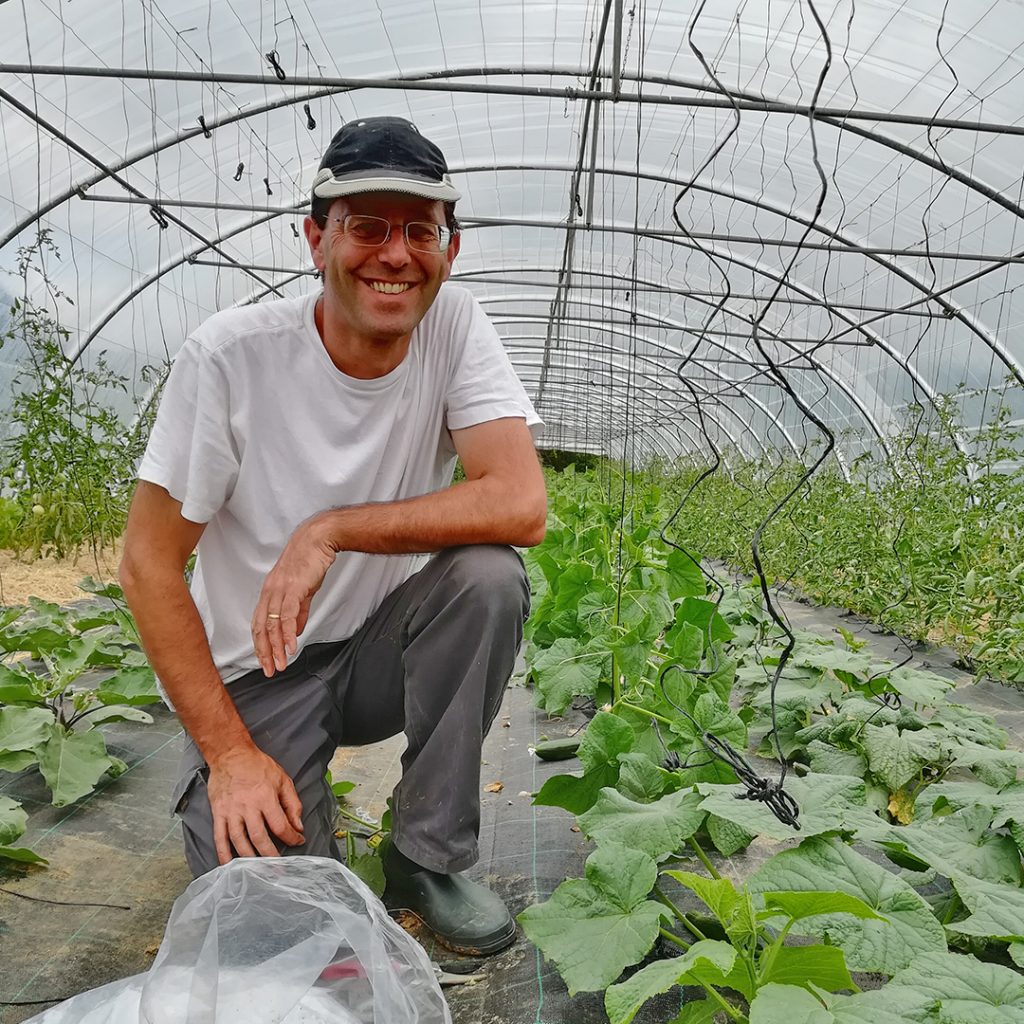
(420, 235)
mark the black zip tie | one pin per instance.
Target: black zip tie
(157, 215)
(202, 124)
(310, 120)
(765, 791)
(238, 171)
(270, 191)
(278, 70)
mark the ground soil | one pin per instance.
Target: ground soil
(53, 579)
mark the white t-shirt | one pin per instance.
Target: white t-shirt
(258, 430)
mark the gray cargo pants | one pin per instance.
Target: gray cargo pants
(432, 661)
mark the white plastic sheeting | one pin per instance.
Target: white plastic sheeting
(299, 940)
(622, 230)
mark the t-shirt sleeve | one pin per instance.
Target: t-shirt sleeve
(191, 451)
(482, 385)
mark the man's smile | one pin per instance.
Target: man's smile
(390, 287)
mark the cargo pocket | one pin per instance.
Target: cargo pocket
(182, 791)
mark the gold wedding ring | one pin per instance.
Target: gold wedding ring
(271, 615)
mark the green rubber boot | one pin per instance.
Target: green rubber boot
(463, 916)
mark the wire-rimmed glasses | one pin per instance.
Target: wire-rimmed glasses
(372, 232)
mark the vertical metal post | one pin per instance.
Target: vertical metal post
(617, 49)
(594, 132)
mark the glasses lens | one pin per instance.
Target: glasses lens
(366, 230)
(425, 237)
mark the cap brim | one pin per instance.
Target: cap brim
(334, 188)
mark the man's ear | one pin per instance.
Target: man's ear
(449, 256)
(314, 236)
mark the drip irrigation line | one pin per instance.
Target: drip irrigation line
(62, 903)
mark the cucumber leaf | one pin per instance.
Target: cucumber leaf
(623, 1001)
(823, 864)
(592, 928)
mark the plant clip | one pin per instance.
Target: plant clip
(206, 131)
(764, 791)
(295, 231)
(266, 182)
(310, 121)
(579, 205)
(275, 64)
(238, 171)
(157, 214)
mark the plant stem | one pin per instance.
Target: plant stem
(727, 1006)
(372, 825)
(643, 711)
(666, 934)
(772, 952)
(703, 857)
(680, 915)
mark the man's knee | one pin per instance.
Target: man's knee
(491, 574)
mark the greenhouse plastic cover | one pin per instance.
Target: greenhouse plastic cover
(662, 200)
(297, 940)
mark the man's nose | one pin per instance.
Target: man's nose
(394, 251)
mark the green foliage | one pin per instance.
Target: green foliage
(75, 668)
(929, 544)
(67, 461)
(928, 784)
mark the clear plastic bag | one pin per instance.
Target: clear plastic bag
(278, 940)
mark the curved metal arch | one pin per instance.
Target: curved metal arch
(952, 311)
(718, 343)
(713, 399)
(967, 180)
(643, 397)
(173, 264)
(757, 268)
(663, 386)
(655, 440)
(651, 427)
(982, 333)
(453, 73)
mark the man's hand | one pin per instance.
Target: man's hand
(249, 794)
(283, 605)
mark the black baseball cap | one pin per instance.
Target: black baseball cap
(383, 154)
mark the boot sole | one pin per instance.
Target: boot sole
(496, 945)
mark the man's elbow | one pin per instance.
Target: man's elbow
(535, 524)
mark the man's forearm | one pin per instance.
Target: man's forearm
(175, 642)
(471, 512)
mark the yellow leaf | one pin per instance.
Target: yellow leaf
(901, 806)
(494, 787)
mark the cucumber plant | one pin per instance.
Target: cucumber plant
(65, 672)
